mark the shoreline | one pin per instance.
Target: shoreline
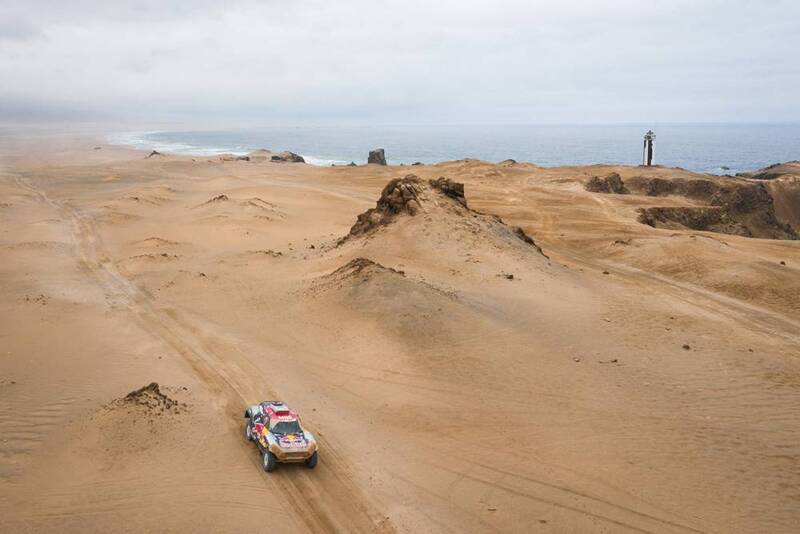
(436, 144)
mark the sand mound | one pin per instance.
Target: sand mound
(224, 206)
(372, 285)
(146, 199)
(361, 267)
(354, 272)
(149, 399)
(405, 307)
(112, 216)
(441, 200)
(265, 252)
(215, 200)
(610, 184)
(151, 257)
(154, 241)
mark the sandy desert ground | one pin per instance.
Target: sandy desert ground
(624, 378)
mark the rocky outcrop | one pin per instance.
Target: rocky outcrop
(450, 189)
(444, 204)
(733, 207)
(377, 156)
(401, 195)
(777, 170)
(711, 219)
(153, 154)
(287, 157)
(610, 184)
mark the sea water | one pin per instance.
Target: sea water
(708, 148)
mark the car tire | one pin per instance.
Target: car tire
(269, 461)
(311, 462)
(248, 432)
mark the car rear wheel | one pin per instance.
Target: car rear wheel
(248, 432)
(311, 462)
(270, 462)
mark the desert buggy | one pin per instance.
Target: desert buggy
(280, 437)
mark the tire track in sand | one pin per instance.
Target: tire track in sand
(328, 501)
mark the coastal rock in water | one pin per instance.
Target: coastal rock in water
(377, 156)
(289, 157)
(610, 184)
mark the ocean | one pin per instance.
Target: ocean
(708, 148)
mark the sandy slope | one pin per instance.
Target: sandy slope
(447, 395)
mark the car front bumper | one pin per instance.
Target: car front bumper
(293, 455)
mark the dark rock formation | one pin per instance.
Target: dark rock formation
(450, 188)
(287, 157)
(377, 156)
(401, 195)
(739, 207)
(610, 184)
(711, 218)
(153, 153)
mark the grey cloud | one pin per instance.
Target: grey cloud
(454, 61)
(18, 29)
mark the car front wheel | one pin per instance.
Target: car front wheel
(311, 462)
(270, 462)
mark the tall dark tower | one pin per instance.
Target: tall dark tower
(647, 149)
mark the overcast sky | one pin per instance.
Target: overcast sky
(448, 61)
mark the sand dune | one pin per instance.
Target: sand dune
(477, 346)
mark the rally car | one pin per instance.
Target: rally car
(279, 436)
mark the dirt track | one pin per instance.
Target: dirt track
(446, 398)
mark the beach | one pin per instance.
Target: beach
(522, 355)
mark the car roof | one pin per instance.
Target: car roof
(280, 412)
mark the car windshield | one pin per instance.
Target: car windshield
(286, 427)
